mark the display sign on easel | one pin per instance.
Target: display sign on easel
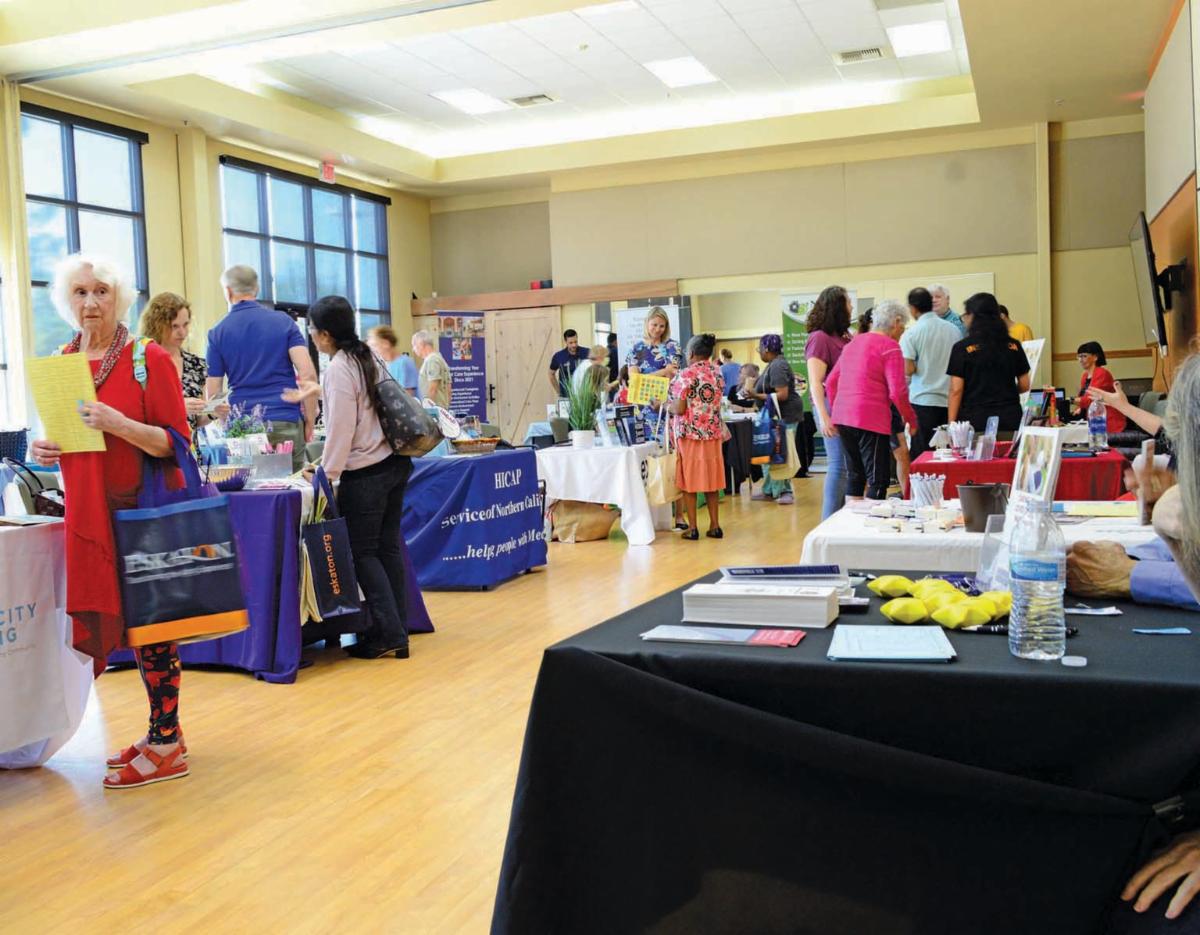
(461, 343)
(1033, 353)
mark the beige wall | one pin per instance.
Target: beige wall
(1098, 186)
(490, 249)
(1171, 117)
(846, 214)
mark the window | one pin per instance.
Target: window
(306, 238)
(83, 191)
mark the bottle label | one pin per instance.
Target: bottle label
(1097, 426)
(1032, 569)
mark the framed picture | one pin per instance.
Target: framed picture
(1038, 460)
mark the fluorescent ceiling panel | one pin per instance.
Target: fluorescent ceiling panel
(681, 72)
(471, 101)
(920, 38)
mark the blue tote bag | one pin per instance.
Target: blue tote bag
(177, 559)
(334, 584)
(762, 438)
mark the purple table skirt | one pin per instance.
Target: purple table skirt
(267, 526)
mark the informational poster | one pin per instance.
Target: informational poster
(630, 324)
(1033, 353)
(460, 342)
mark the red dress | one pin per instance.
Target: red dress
(1102, 379)
(98, 482)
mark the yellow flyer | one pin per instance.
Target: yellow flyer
(59, 385)
(643, 388)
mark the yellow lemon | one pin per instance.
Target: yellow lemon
(904, 610)
(952, 616)
(927, 586)
(1002, 601)
(891, 586)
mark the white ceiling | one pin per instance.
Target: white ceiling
(773, 58)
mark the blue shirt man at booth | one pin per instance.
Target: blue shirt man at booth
(565, 361)
(261, 352)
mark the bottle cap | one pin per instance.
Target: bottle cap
(1075, 662)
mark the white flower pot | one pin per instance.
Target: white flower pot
(583, 438)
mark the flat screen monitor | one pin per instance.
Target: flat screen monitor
(1145, 274)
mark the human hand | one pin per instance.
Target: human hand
(1179, 863)
(1099, 569)
(221, 410)
(194, 405)
(1115, 398)
(828, 429)
(102, 417)
(45, 453)
(306, 389)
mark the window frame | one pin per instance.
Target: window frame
(71, 205)
(309, 244)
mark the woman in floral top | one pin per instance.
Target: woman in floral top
(656, 355)
(696, 401)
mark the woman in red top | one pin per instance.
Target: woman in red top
(132, 409)
(1092, 360)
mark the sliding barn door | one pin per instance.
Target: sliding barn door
(520, 343)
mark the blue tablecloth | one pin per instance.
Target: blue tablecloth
(267, 526)
(472, 521)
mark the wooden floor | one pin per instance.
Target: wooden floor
(366, 797)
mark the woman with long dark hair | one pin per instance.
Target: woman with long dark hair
(828, 335)
(371, 478)
(1096, 376)
(988, 369)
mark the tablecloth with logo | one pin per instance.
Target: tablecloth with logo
(44, 683)
(474, 520)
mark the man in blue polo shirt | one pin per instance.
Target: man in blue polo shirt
(565, 361)
(262, 353)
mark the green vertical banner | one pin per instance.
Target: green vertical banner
(795, 336)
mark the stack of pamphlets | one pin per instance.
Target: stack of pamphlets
(890, 644)
(765, 604)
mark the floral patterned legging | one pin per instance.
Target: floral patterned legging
(160, 669)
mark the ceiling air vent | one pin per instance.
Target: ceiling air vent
(531, 100)
(854, 56)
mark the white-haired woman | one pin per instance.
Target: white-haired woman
(138, 396)
(866, 382)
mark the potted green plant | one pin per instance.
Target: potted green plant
(583, 401)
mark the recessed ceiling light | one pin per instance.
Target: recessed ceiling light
(920, 38)
(603, 9)
(471, 101)
(681, 72)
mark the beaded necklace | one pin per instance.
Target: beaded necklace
(109, 360)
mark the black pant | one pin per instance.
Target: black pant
(868, 457)
(928, 420)
(372, 501)
(806, 448)
(1010, 417)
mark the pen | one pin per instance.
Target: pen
(1002, 629)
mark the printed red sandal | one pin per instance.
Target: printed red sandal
(169, 766)
(129, 754)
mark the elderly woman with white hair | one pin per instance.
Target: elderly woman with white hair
(866, 382)
(138, 396)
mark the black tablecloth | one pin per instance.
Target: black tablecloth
(736, 453)
(680, 788)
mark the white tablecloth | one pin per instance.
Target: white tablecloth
(845, 539)
(44, 682)
(605, 475)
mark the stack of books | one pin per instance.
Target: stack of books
(760, 605)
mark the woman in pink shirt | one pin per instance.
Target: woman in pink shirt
(372, 478)
(867, 379)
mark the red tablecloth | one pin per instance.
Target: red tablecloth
(1088, 478)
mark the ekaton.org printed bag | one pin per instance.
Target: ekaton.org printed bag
(177, 560)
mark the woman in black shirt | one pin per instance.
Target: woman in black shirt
(988, 370)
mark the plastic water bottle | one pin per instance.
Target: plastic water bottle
(1097, 417)
(1037, 563)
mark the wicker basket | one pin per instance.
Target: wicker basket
(474, 446)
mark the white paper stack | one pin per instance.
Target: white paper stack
(760, 605)
(871, 643)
